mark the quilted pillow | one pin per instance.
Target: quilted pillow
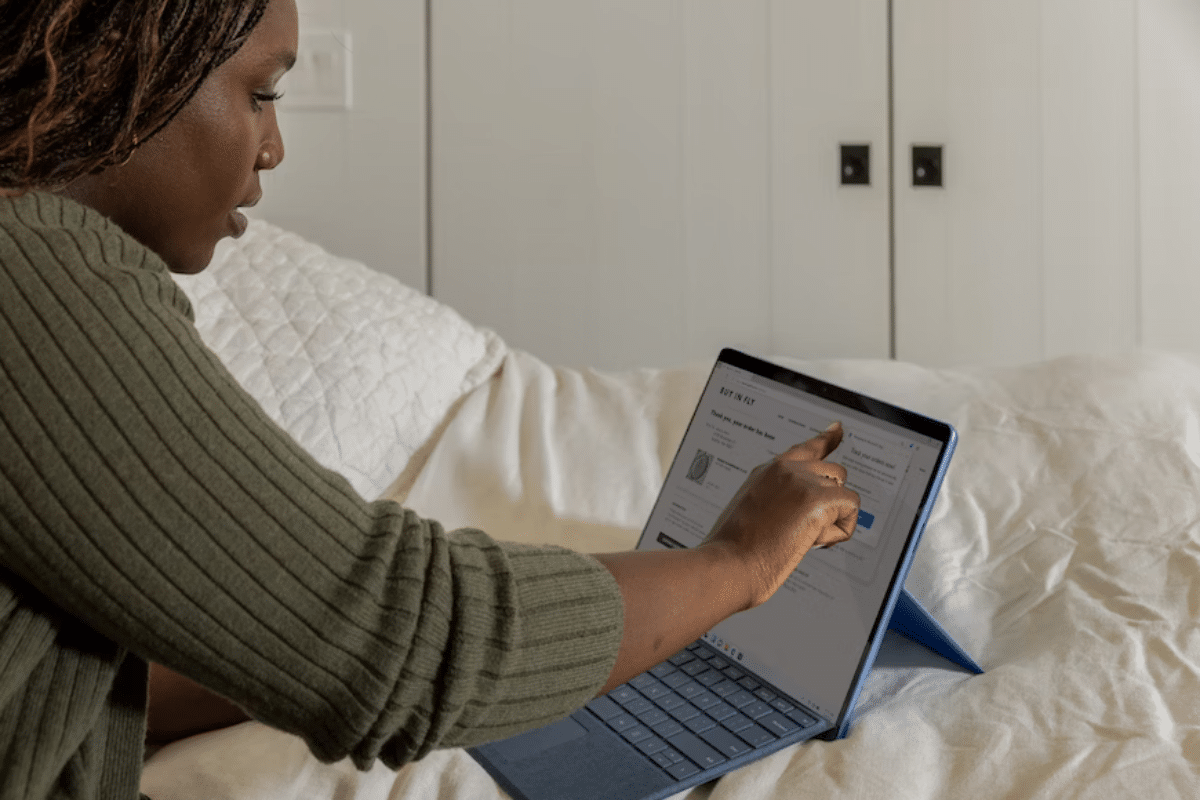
(360, 369)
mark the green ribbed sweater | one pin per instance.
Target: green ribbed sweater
(150, 511)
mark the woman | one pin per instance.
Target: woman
(150, 512)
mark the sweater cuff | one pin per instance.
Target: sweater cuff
(571, 623)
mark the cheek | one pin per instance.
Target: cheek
(222, 162)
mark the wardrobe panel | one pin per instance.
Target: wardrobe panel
(1169, 90)
(830, 242)
(1030, 248)
(623, 183)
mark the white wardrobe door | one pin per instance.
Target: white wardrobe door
(831, 292)
(1170, 175)
(616, 185)
(1030, 250)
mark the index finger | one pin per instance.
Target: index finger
(818, 447)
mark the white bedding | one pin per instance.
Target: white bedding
(1064, 553)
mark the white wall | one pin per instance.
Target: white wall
(354, 181)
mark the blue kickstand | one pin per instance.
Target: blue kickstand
(910, 619)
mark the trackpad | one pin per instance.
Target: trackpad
(540, 740)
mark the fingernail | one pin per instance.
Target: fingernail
(831, 427)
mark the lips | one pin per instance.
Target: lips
(238, 220)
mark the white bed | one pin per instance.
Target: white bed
(1064, 552)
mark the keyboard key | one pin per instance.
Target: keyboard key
(636, 734)
(639, 706)
(652, 717)
(778, 724)
(710, 678)
(694, 646)
(705, 652)
(662, 759)
(705, 700)
(622, 722)
(733, 673)
(676, 679)
(737, 722)
(721, 711)
(651, 745)
(725, 688)
(766, 695)
(779, 704)
(695, 667)
(800, 718)
(699, 723)
(681, 658)
(605, 708)
(718, 663)
(668, 728)
(684, 769)
(690, 690)
(662, 670)
(643, 681)
(725, 742)
(670, 701)
(623, 694)
(695, 749)
(749, 684)
(656, 691)
(739, 699)
(684, 712)
(756, 736)
(756, 709)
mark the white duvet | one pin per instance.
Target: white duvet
(1064, 552)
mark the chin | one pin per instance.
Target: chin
(191, 262)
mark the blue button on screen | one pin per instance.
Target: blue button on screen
(865, 520)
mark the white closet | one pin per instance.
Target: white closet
(625, 183)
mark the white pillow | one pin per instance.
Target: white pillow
(358, 368)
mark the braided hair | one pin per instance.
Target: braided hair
(84, 82)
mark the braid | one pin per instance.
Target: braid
(84, 82)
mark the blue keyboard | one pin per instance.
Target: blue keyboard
(696, 710)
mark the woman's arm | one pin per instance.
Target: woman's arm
(180, 707)
(793, 503)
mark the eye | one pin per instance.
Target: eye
(258, 98)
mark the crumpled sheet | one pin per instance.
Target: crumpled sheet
(1063, 553)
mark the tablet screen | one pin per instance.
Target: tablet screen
(812, 637)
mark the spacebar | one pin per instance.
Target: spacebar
(696, 750)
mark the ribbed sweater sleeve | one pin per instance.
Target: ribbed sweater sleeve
(146, 495)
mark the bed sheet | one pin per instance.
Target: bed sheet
(1063, 553)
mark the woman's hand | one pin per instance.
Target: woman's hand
(793, 503)
(785, 508)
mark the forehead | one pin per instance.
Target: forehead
(272, 43)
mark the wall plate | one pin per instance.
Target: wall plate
(322, 79)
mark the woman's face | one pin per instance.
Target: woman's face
(179, 192)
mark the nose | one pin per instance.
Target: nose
(271, 152)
